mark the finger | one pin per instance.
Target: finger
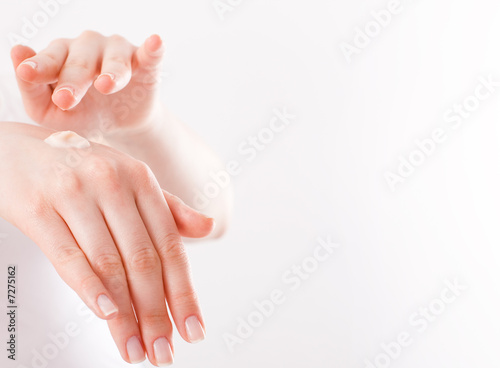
(20, 53)
(44, 67)
(144, 275)
(36, 97)
(116, 69)
(79, 70)
(147, 61)
(190, 223)
(181, 295)
(56, 241)
(94, 238)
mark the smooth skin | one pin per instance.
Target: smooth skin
(108, 229)
(130, 231)
(107, 87)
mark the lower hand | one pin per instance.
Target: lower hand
(111, 233)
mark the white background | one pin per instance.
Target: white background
(324, 175)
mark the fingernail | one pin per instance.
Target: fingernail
(30, 63)
(107, 307)
(194, 330)
(70, 90)
(67, 89)
(163, 352)
(66, 98)
(110, 75)
(135, 351)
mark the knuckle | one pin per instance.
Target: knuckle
(81, 65)
(108, 265)
(118, 61)
(172, 248)
(103, 171)
(154, 318)
(144, 261)
(140, 168)
(116, 38)
(124, 318)
(37, 207)
(89, 34)
(143, 175)
(59, 42)
(51, 59)
(69, 185)
(67, 254)
(117, 285)
(87, 282)
(185, 298)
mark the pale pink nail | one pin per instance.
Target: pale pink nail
(30, 63)
(107, 307)
(163, 352)
(70, 90)
(135, 351)
(194, 330)
(110, 75)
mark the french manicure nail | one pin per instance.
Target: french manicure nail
(30, 63)
(135, 351)
(110, 75)
(163, 352)
(107, 307)
(194, 330)
(70, 90)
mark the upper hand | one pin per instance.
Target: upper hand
(91, 82)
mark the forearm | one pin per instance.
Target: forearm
(182, 163)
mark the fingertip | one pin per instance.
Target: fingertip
(19, 53)
(153, 49)
(154, 44)
(64, 98)
(105, 83)
(212, 226)
(14, 52)
(195, 330)
(198, 226)
(107, 308)
(27, 70)
(190, 222)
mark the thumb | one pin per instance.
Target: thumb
(190, 223)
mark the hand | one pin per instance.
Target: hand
(91, 82)
(111, 233)
(106, 89)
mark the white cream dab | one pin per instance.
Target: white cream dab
(67, 139)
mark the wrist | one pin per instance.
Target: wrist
(145, 132)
